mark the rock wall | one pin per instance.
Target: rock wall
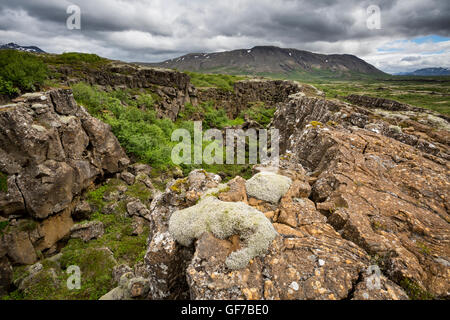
(51, 150)
(381, 188)
(173, 88)
(270, 92)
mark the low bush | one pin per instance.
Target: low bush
(20, 72)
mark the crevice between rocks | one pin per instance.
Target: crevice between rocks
(355, 283)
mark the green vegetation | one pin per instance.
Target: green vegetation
(20, 71)
(142, 134)
(3, 182)
(3, 225)
(414, 291)
(427, 93)
(77, 57)
(95, 258)
(222, 81)
(259, 112)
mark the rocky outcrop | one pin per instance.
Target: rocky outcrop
(245, 92)
(380, 190)
(364, 194)
(87, 231)
(308, 259)
(379, 103)
(51, 150)
(166, 260)
(173, 88)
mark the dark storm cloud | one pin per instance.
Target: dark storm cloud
(141, 30)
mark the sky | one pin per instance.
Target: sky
(406, 34)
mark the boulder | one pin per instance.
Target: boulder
(268, 186)
(87, 231)
(137, 209)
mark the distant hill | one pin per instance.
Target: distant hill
(427, 72)
(269, 60)
(15, 46)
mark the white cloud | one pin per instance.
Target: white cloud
(154, 30)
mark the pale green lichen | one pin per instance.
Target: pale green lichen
(268, 186)
(224, 219)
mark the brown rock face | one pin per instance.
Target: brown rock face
(383, 194)
(51, 150)
(366, 215)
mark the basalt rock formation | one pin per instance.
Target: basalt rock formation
(51, 150)
(175, 90)
(362, 211)
(380, 186)
(369, 192)
(254, 90)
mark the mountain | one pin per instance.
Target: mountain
(15, 46)
(427, 72)
(269, 60)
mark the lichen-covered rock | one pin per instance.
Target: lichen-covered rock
(52, 229)
(166, 260)
(19, 247)
(224, 219)
(268, 186)
(386, 194)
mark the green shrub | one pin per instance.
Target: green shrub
(7, 88)
(222, 81)
(144, 135)
(139, 131)
(20, 71)
(78, 57)
(414, 291)
(260, 113)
